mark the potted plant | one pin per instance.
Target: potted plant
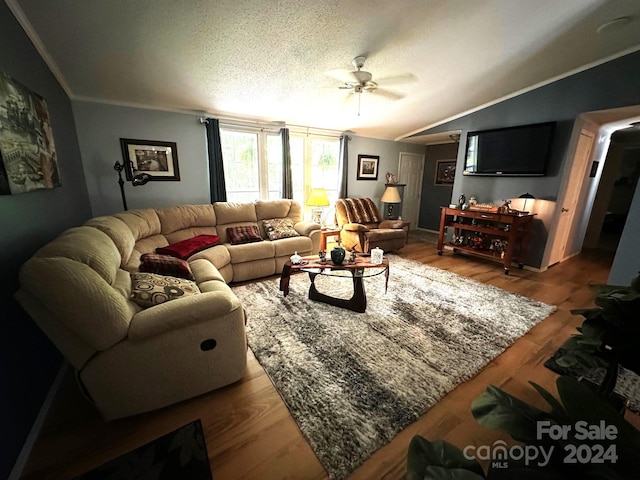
(608, 336)
(581, 436)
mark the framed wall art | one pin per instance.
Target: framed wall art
(158, 159)
(445, 172)
(28, 158)
(368, 167)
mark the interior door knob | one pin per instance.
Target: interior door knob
(564, 209)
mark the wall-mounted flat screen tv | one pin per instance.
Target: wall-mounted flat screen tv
(512, 151)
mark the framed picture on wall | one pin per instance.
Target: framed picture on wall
(28, 159)
(445, 172)
(368, 167)
(158, 159)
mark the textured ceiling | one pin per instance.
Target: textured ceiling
(275, 60)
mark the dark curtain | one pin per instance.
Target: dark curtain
(217, 186)
(343, 167)
(287, 181)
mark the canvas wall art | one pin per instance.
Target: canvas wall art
(27, 153)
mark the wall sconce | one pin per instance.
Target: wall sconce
(137, 179)
(317, 199)
(390, 196)
(526, 197)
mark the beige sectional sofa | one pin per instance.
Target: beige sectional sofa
(131, 359)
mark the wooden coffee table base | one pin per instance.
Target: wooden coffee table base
(357, 303)
(361, 269)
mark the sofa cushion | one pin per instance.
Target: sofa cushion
(243, 234)
(181, 217)
(149, 289)
(277, 228)
(230, 212)
(188, 247)
(278, 208)
(165, 265)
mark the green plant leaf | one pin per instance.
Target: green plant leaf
(557, 409)
(497, 409)
(584, 404)
(439, 460)
(525, 473)
(441, 473)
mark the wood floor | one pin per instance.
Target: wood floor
(249, 432)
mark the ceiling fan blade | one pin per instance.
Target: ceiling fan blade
(398, 79)
(348, 97)
(343, 76)
(388, 93)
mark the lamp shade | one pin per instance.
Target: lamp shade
(140, 179)
(391, 195)
(526, 197)
(318, 198)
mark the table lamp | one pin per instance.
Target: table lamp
(391, 196)
(317, 199)
(526, 197)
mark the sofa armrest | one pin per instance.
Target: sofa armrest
(390, 224)
(305, 228)
(180, 313)
(355, 227)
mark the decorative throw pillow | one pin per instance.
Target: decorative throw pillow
(243, 234)
(279, 228)
(149, 289)
(188, 247)
(165, 265)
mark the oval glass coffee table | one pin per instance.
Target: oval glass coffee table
(358, 271)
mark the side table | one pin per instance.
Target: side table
(406, 226)
(326, 233)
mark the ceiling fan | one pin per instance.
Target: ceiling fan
(360, 81)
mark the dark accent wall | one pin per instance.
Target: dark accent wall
(435, 196)
(610, 85)
(28, 360)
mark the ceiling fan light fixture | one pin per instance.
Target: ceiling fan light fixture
(362, 77)
(358, 62)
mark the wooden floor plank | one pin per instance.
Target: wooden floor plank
(250, 433)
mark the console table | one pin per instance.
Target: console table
(498, 236)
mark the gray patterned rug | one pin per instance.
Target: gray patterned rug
(352, 381)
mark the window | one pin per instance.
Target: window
(253, 164)
(240, 154)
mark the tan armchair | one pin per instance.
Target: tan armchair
(362, 228)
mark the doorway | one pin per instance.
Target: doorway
(616, 189)
(593, 206)
(410, 169)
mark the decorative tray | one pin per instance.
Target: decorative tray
(484, 208)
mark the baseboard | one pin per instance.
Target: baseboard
(421, 229)
(21, 461)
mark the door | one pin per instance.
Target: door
(571, 195)
(410, 168)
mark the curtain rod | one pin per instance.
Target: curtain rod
(275, 126)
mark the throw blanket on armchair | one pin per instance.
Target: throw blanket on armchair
(361, 210)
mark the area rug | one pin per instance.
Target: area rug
(179, 454)
(627, 384)
(352, 381)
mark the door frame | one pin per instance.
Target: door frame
(575, 170)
